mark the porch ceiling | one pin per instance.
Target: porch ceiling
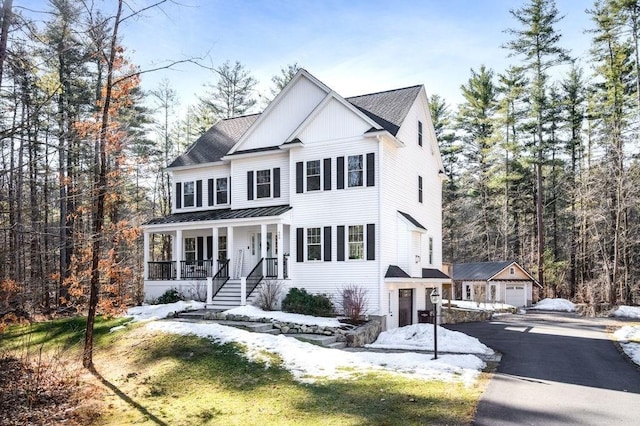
(221, 214)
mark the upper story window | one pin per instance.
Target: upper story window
(188, 194)
(512, 271)
(356, 242)
(430, 250)
(263, 183)
(314, 244)
(313, 175)
(419, 189)
(355, 170)
(222, 191)
(419, 132)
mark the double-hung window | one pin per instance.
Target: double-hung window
(263, 183)
(222, 247)
(355, 170)
(314, 244)
(419, 189)
(222, 191)
(430, 250)
(189, 249)
(188, 194)
(420, 133)
(356, 242)
(313, 175)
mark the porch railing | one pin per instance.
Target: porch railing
(165, 270)
(196, 269)
(254, 278)
(221, 277)
(271, 267)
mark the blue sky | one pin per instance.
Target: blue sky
(353, 46)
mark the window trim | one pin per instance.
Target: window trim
(256, 184)
(218, 192)
(360, 243)
(319, 175)
(361, 170)
(185, 184)
(222, 249)
(194, 251)
(430, 250)
(420, 189)
(420, 128)
(319, 243)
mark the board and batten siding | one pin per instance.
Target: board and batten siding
(284, 117)
(239, 179)
(195, 174)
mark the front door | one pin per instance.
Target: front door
(256, 247)
(405, 307)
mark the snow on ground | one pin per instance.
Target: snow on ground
(254, 312)
(563, 305)
(629, 338)
(420, 337)
(154, 312)
(627, 312)
(309, 362)
(482, 306)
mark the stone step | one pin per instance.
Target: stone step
(192, 314)
(337, 345)
(316, 339)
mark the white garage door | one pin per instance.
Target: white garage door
(515, 295)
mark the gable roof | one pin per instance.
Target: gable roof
(216, 142)
(388, 108)
(483, 271)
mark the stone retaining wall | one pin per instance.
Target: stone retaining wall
(352, 335)
(458, 315)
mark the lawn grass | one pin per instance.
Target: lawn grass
(154, 378)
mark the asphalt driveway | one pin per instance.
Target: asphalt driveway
(556, 368)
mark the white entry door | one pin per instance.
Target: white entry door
(256, 247)
(515, 295)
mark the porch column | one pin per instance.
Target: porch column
(146, 255)
(263, 248)
(214, 249)
(178, 254)
(279, 234)
(231, 254)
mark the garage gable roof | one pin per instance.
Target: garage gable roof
(484, 271)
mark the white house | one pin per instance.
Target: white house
(319, 192)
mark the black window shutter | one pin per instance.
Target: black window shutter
(327, 174)
(276, 182)
(340, 173)
(300, 244)
(327, 244)
(371, 241)
(179, 195)
(210, 248)
(200, 248)
(299, 177)
(371, 174)
(198, 193)
(250, 185)
(229, 190)
(340, 242)
(210, 188)
(420, 189)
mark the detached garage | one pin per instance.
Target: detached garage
(495, 282)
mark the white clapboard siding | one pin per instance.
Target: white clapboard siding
(195, 174)
(239, 170)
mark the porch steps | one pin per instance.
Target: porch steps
(321, 340)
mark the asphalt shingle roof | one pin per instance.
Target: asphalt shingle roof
(220, 214)
(411, 219)
(477, 271)
(394, 271)
(216, 142)
(388, 109)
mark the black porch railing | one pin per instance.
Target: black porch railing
(254, 278)
(221, 277)
(271, 267)
(196, 269)
(165, 270)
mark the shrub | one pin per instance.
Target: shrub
(269, 295)
(353, 301)
(170, 296)
(300, 301)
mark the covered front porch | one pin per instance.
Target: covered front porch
(181, 253)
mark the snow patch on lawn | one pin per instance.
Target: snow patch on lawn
(420, 337)
(562, 305)
(627, 312)
(155, 312)
(308, 362)
(254, 312)
(629, 338)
